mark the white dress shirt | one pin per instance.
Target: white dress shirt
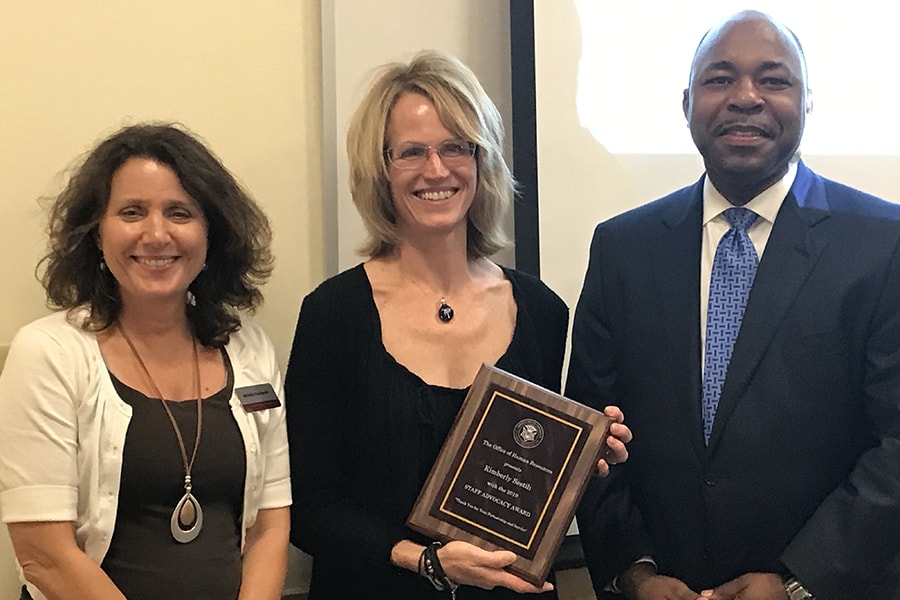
(766, 205)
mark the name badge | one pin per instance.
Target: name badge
(257, 397)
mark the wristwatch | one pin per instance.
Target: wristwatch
(795, 591)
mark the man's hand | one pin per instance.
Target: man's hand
(751, 586)
(616, 451)
(641, 582)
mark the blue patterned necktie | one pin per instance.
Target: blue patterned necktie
(733, 270)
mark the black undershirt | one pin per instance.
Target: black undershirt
(144, 560)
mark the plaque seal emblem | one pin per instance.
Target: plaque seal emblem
(528, 433)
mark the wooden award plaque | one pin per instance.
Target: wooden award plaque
(511, 471)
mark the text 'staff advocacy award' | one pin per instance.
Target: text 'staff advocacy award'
(512, 471)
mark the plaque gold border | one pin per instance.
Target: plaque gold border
(474, 436)
(566, 491)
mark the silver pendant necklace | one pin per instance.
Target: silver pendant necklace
(187, 518)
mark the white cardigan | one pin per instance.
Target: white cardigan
(62, 430)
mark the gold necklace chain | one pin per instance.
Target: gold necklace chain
(444, 311)
(188, 465)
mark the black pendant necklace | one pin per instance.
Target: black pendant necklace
(445, 311)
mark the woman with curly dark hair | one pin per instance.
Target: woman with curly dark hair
(143, 451)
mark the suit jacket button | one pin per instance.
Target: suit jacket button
(709, 479)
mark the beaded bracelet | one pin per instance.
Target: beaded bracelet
(430, 568)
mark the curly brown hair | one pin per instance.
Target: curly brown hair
(238, 260)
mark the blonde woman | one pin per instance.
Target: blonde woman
(384, 352)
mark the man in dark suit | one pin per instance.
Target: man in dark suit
(782, 480)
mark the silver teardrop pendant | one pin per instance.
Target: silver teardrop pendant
(187, 519)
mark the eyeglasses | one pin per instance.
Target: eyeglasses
(414, 156)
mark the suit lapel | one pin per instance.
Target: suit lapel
(678, 281)
(795, 244)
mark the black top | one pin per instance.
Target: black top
(144, 560)
(364, 431)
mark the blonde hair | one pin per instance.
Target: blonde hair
(465, 109)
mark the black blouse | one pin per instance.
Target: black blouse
(364, 431)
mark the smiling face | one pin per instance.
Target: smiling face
(746, 105)
(153, 234)
(435, 197)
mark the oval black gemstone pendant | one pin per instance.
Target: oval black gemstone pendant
(445, 312)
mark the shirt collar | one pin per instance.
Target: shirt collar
(766, 204)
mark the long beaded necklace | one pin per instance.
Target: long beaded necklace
(187, 518)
